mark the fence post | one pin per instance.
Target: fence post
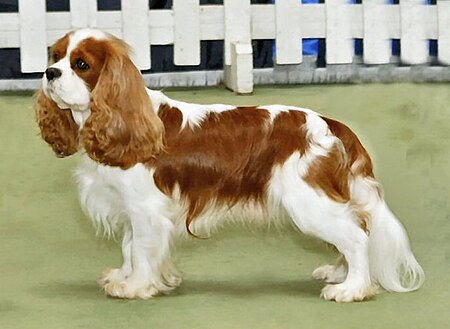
(239, 77)
(237, 31)
(33, 36)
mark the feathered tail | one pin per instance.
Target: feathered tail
(392, 263)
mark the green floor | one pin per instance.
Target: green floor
(49, 258)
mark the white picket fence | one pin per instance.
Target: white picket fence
(237, 22)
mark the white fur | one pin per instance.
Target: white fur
(392, 263)
(68, 90)
(193, 114)
(129, 201)
(82, 34)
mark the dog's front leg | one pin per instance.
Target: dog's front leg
(115, 275)
(148, 255)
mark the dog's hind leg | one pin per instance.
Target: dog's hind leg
(334, 222)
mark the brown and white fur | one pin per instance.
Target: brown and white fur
(152, 167)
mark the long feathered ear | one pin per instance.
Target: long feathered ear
(57, 126)
(122, 129)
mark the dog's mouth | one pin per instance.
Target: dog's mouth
(52, 92)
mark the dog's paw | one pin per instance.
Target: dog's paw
(330, 273)
(172, 280)
(111, 275)
(131, 289)
(344, 293)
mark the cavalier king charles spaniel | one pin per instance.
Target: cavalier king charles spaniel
(153, 169)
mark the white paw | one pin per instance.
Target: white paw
(344, 293)
(131, 288)
(112, 275)
(330, 273)
(172, 280)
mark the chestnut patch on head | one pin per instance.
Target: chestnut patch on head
(87, 60)
(59, 49)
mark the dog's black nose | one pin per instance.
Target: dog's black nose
(52, 73)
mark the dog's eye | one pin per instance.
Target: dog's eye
(82, 65)
(55, 57)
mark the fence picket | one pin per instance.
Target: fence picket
(237, 24)
(413, 42)
(288, 35)
(33, 43)
(186, 16)
(444, 32)
(339, 42)
(135, 30)
(83, 13)
(377, 45)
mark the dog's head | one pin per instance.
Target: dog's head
(92, 81)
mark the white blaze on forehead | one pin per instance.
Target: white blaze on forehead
(84, 34)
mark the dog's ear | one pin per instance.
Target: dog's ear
(57, 126)
(123, 128)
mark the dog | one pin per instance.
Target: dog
(153, 169)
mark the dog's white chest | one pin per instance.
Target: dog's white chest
(110, 195)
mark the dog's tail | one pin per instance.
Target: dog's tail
(391, 260)
(392, 263)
